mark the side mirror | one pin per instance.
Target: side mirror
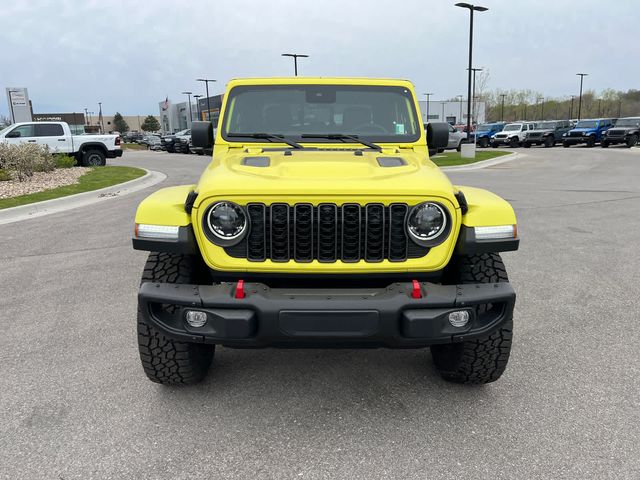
(202, 134)
(13, 134)
(437, 135)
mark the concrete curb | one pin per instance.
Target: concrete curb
(483, 164)
(47, 207)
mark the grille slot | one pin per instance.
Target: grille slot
(327, 233)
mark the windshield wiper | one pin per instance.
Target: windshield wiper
(267, 136)
(343, 137)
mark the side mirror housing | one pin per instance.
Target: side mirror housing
(202, 134)
(437, 135)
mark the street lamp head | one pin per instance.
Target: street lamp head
(299, 55)
(204, 80)
(583, 74)
(477, 8)
(187, 93)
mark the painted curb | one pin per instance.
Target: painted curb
(483, 164)
(47, 207)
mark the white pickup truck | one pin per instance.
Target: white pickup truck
(89, 150)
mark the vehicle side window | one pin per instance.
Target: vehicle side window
(48, 130)
(23, 131)
(451, 129)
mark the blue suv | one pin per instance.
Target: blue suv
(587, 131)
(484, 132)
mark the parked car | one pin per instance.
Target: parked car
(512, 134)
(152, 142)
(133, 137)
(274, 246)
(456, 138)
(587, 131)
(89, 150)
(173, 144)
(462, 127)
(547, 133)
(624, 130)
(485, 131)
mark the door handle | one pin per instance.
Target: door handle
(62, 139)
(31, 141)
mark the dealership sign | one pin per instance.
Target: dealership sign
(18, 99)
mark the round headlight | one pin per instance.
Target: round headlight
(226, 222)
(426, 224)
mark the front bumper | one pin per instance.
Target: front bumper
(500, 141)
(388, 317)
(575, 140)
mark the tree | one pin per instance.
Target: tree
(150, 124)
(119, 123)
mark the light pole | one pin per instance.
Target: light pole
(427, 95)
(188, 94)
(502, 109)
(295, 57)
(86, 116)
(198, 97)
(571, 111)
(460, 97)
(471, 9)
(473, 110)
(581, 75)
(100, 116)
(206, 81)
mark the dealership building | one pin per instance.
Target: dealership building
(452, 112)
(177, 116)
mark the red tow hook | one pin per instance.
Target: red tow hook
(416, 292)
(240, 289)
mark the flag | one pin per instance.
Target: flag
(165, 105)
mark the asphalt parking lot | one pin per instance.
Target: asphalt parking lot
(75, 404)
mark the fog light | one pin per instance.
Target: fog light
(195, 318)
(459, 318)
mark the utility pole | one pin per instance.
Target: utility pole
(188, 94)
(581, 75)
(197, 97)
(473, 109)
(86, 116)
(206, 81)
(471, 8)
(295, 57)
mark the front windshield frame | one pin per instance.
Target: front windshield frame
(514, 127)
(587, 124)
(6, 129)
(627, 122)
(413, 127)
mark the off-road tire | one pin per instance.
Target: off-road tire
(565, 144)
(514, 142)
(482, 360)
(549, 142)
(591, 142)
(494, 145)
(94, 158)
(526, 144)
(483, 142)
(604, 144)
(632, 140)
(165, 360)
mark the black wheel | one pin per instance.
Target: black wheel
(549, 142)
(565, 144)
(459, 147)
(94, 158)
(632, 140)
(604, 144)
(165, 360)
(514, 142)
(591, 142)
(482, 360)
(526, 144)
(433, 151)
(483, 142)
(494, 144)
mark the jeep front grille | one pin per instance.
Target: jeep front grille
(617, 133)
(576, 134)
(327, 233)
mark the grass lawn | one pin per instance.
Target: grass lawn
(98, 177)
(449, 159)
(133, 146)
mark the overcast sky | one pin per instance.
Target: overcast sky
(71, 54)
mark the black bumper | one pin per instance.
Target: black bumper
(114, 153)
(388, 317)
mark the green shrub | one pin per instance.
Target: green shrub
(4, 176)
(23, 159)
(63, 161)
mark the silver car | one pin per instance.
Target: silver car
(456, 138)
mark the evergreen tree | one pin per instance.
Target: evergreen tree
(150, 124)
(119, 123)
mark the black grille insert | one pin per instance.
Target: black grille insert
(327, 233)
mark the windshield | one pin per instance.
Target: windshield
(4, 130)
(628, 122)
(587, 124)
(311, 113)
(545, 125)
(484, 127)
(512, 128)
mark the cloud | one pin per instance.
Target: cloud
(130, 55)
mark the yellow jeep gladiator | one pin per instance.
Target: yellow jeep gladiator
(321, 222)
